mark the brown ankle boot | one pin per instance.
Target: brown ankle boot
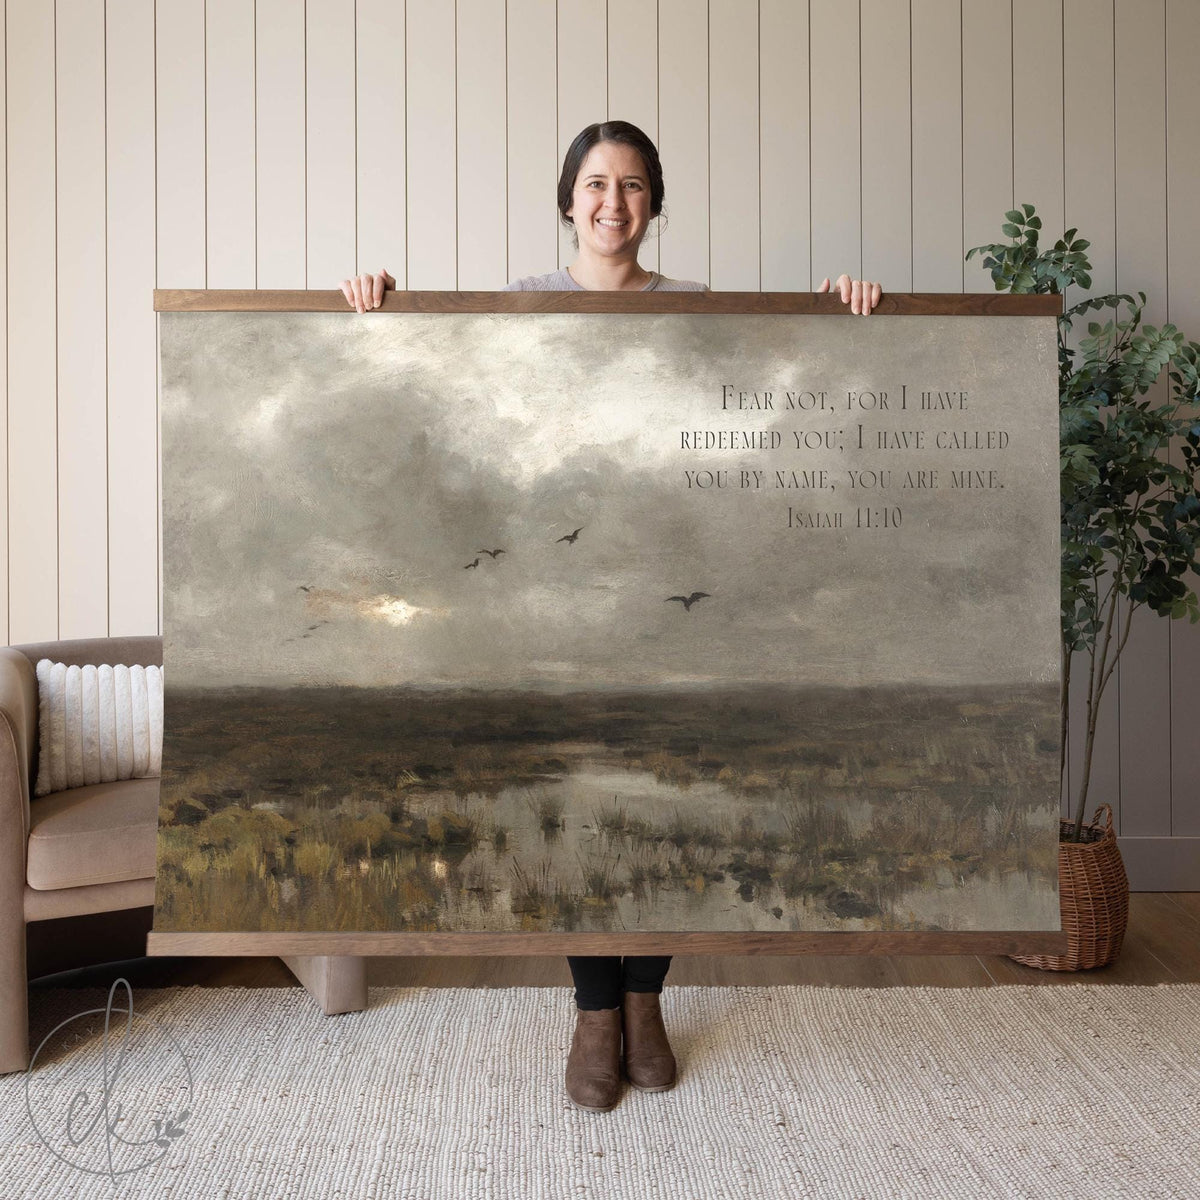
(594, 1064)
(649, 1063)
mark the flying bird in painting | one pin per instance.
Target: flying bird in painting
(569, 538)
(302, 588)
(687, 601)
(471, 564)
(493, 553)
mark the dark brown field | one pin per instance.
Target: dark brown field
(772, 808)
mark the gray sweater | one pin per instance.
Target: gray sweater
(561, 281)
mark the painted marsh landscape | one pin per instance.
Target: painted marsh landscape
(764, 809)
(458, 638)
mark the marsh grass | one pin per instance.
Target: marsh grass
(547, 810)
(612, 820)
(643, 832)
(811, 825)
(647, 872)
(349, 808)
(314, 860)
(600, 883)
(454, 831)
(669, 768)
(539, 896)
(481, 882)
(683, 830)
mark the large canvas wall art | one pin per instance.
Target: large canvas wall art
(610, 622)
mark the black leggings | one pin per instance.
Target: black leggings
(600, 980)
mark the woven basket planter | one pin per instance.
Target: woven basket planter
(1094, 896)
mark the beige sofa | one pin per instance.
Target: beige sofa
(76, 867)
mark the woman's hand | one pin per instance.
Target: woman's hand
(366, 291)
(860, 294)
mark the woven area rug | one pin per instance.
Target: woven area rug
(1076, 1091)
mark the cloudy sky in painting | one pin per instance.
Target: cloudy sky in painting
(327, 478)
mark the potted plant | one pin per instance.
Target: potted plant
(1130, 523)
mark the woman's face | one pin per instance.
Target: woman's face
(610, 203)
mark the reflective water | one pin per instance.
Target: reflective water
(633, 851)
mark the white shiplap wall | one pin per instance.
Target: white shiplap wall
(285, 143)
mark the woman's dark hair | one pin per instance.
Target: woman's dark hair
(609, 131)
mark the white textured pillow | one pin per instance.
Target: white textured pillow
(97, 724)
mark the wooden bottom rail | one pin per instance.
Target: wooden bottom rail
(315, 943)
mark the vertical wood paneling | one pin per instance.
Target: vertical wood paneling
(382, 152)
(32, 353)
(937, 154)
(279, 52)
(432, 187)
(1183, 270)
(733, 193)
(784, 205)
(836, 162)
(683, 137)
(4, 504)
(1141, 265)
(1038, 110)
(632, 38)
(1183, 168)
(886, 146)
(987, 86)
(533, 159)
(132, 348)
(1089, 152)
(330, 141)
(179, 36)
(482, 146)
(582, 82)
(82, 403)
(633, 83)
(229, 87)
(181, 155)
(581, 41)
(1037, 120)
(1090, 177)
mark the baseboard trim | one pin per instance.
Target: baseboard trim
(1161, 864)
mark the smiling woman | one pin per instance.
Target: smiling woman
(610, 189)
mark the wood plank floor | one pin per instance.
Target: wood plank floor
(1162, 945)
